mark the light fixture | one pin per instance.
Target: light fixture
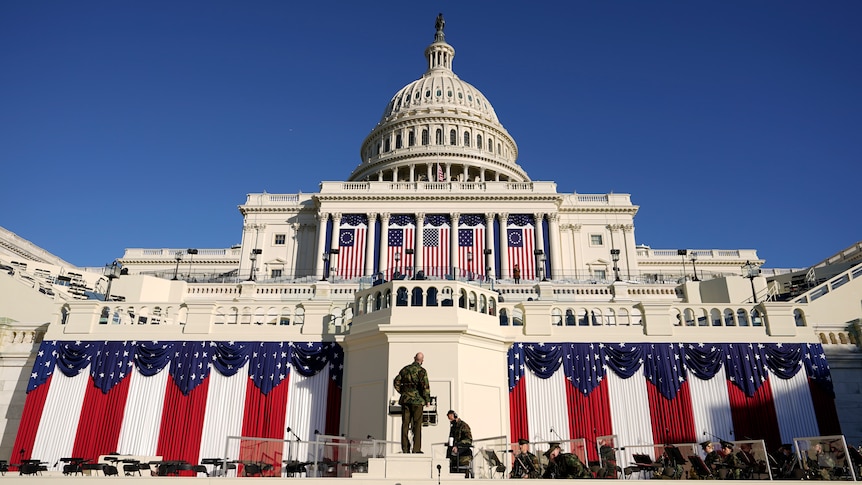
(179, 257)
(751, 271)
(615, 255)
(683, 253)
(253, 258)
(693, 267)
(113, 272)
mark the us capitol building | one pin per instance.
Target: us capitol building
(539, 314)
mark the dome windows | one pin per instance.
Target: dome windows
(466, 138)
(428, 93)
(453, 137)
(417, 94)
(411, 138)
(398, 143)
(460, 95)
(470, 98)
(449, 93)
(438, 137)
(425, 139)
(439, 93)
(479, 142)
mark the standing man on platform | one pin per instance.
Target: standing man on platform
(412, 383)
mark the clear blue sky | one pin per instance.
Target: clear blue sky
(733, 124)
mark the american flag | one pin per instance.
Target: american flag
(471, 240)
(435, 245)
(401, 234)
(521, 237)
(351, 245)
(441, 177)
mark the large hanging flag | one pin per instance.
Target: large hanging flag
(180, 400)
(435, 245)
(351, 246)
(521, 238)
(669, 392)
(471, 242)
(402, 228)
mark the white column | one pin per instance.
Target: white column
(321, 242)
(629, 250)
(412, 173)
(540, 244)
(578, 245)
(453, 243)
(418, 257)
(490, 263)
(504, 246)
(554, 243)
(383, 264)
(369, 245)
(334, 243)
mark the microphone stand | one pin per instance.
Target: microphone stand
(439, 467)
(291, 470)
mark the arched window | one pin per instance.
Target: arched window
(453, 137)
(466, 138)
(517, 317)
(425, 137)
(483, 304)
(398, 141)
(386, 146)
(585, 319)
(401, 297)
(64, 315)
(499, 149)
(689, 317)
(479, 141)
(728, 318)
(431, 298)
(715, 316)
(438, 137)
(417, 297)
(742, 317)
(556, 317)
(300, 316)
(799, 317)
(378, 301)
(570, 317)
(103, 317)
(504, 318)
(756, 320)
(411, 138)
(492, 306)
(446, 295)
(490, 145)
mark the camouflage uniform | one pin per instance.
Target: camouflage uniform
(412, 383)
(566, 465)
(526, 466)
(462, 438)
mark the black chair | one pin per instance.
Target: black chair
(4, 467)
(93, 468)
(73, 466)
(130, 467)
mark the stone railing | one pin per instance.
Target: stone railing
(389, 187)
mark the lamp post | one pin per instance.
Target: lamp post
(693, 268)
(179, 257)
(191, 252)
(333, 262)
(253, 258)
(397, 257)
(615, 256)
(469, 265)
(540, 258)
(113, 272)
(683, 253)
(751, 272)
(325, 260)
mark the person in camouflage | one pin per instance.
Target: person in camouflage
(412, 383)
(564, 465)
(731, 467)
(460, 442)
(526, 464)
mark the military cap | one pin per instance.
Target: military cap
(551, 447)
(523, 441)
(705, 444)
(727, 444)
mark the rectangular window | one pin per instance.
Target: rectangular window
(276, 273)
(599, 274)
(279, 239)
(596, 240)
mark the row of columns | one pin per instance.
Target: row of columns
(418, 256)
(430, 173)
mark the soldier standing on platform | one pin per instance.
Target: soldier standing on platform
(412, 383)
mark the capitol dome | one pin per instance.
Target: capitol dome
(439, 128)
